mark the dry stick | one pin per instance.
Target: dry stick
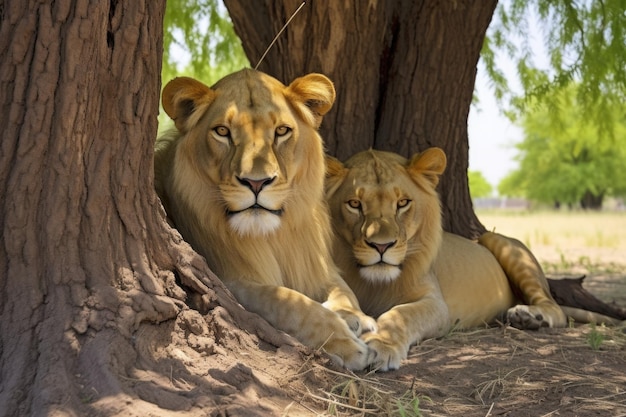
(279, 33)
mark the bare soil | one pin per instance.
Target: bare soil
(498, 371)
(502, 371)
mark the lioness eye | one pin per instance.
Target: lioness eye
(282, 130)
(355, 204)
(222, 131)
(403, 202)
(282, 133)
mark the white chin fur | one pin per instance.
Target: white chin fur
(254, 223)
(379, 273)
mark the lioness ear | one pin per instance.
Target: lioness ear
(430, 164)
(335, 173)
(182, 96)
(334, 167)
(315, 93)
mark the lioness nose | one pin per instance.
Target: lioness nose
(256, 185)
(381, 247)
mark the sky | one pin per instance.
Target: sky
(491, 135)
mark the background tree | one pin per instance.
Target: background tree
(478, 185)
(566, 157)
(584, 43)
(201, 35)
(202, 32)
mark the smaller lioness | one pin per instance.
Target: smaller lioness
(242, 178)
(415, 279)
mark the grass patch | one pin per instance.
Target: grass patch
(594, 338)
(350, 395)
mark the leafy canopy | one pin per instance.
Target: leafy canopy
(565, 157)
(199, 35)
(203, 32)
(585, 44)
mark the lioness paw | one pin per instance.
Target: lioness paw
(358, 322)
(350, 352)
(387, 356)
(522, 317)
(368, 324)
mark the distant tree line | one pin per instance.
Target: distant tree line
(568, 157)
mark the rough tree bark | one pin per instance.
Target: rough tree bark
(95, 288)
(404, 72)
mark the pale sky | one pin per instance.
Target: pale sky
(491, 135)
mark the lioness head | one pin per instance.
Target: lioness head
(245, 146)
(385, 210)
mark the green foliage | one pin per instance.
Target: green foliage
(478, 185)
(565, 156)
(585, 43)
(199, 41)
(409, 407)
(204, 31)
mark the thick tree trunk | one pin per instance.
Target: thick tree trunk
(93, 283)
(404, 73)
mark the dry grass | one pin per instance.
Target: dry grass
(562, 239)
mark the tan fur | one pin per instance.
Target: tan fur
(242, 179)
(385, 208)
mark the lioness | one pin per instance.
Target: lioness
(242, 178)
(417, 280)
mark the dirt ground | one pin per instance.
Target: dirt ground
(502, 371)
(498, 371)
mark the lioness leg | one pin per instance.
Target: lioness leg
(342, 301)
(306, 319)
(408, 323)
(527, 282)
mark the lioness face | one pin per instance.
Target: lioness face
(378, 201)
(243, 135)
(251, 138)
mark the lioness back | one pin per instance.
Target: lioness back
(472, 282)
(241, 177)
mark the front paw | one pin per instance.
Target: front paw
(387, 355)
(349, 351)
(522, 317)
(358, 322)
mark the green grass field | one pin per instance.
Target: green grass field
(565, 238)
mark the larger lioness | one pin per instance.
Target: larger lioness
(417, 280)
(242, 179)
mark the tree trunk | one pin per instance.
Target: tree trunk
(95, 286)
(404, 73)
(590, 201)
